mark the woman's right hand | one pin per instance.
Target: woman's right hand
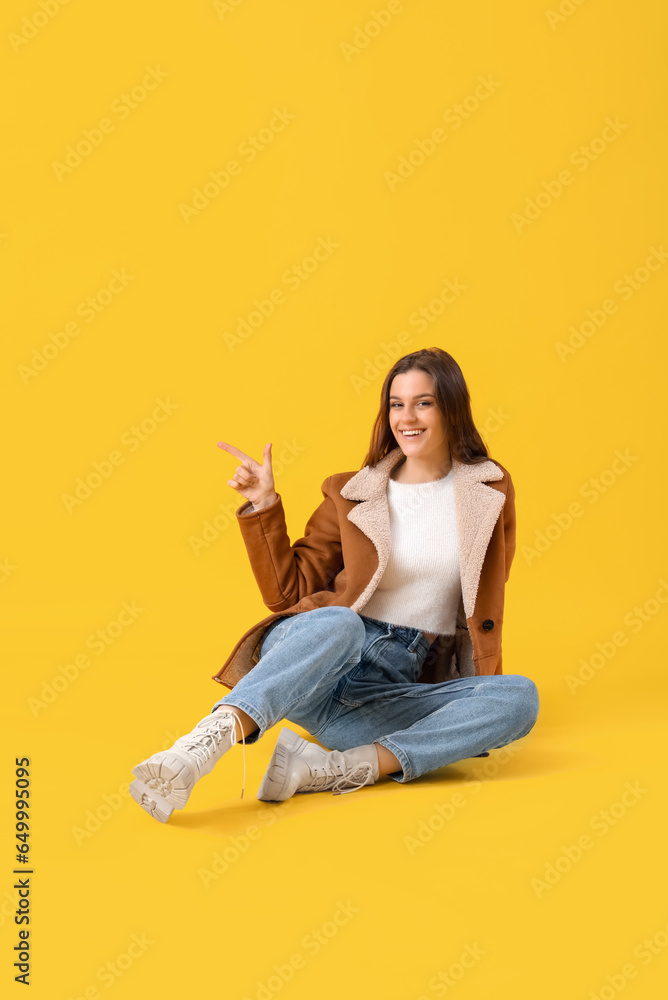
(253, 481)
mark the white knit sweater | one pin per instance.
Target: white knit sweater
(421, 585)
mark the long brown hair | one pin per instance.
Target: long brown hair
(453, 400)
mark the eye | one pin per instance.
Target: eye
(423, 402)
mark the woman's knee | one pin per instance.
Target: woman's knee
(335, 612)
(339, 616)
(527, 702)
(344, 624)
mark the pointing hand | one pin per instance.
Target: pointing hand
(253, 481)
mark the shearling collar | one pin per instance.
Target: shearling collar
(477, 508)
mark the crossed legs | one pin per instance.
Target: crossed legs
(245, 725)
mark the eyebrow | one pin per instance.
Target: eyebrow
(416, 397)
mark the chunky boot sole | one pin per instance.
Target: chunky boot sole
(168, 777)
(154, 804)
(275, 785)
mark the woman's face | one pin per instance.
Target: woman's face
(414, 407)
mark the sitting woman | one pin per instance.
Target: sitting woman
(384, 641)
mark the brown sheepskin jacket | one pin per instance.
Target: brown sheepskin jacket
(345, 549)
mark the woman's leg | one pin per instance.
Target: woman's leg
(425, 726)
(476, 714)
(244, 725)
(387, 762)
(302, 659)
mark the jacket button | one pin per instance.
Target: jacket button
(488, 624)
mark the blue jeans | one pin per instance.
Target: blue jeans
(350, 680)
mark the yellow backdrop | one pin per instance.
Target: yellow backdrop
(226, 221)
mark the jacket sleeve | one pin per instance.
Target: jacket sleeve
(509, 525)
(286, 573)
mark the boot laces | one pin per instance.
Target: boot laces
(355, 775)
(205, 739)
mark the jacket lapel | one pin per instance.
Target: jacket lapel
(477, 508)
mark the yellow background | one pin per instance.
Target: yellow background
(308, 379)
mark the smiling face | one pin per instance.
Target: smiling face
(413, 406)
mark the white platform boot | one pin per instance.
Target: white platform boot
(299, 766)
(165, 780)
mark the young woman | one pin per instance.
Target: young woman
(384, 641)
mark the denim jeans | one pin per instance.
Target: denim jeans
(349, 680)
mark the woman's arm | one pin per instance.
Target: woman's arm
(286, 573)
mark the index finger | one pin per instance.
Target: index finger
(235, 451)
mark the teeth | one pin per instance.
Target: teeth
(411, 433)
